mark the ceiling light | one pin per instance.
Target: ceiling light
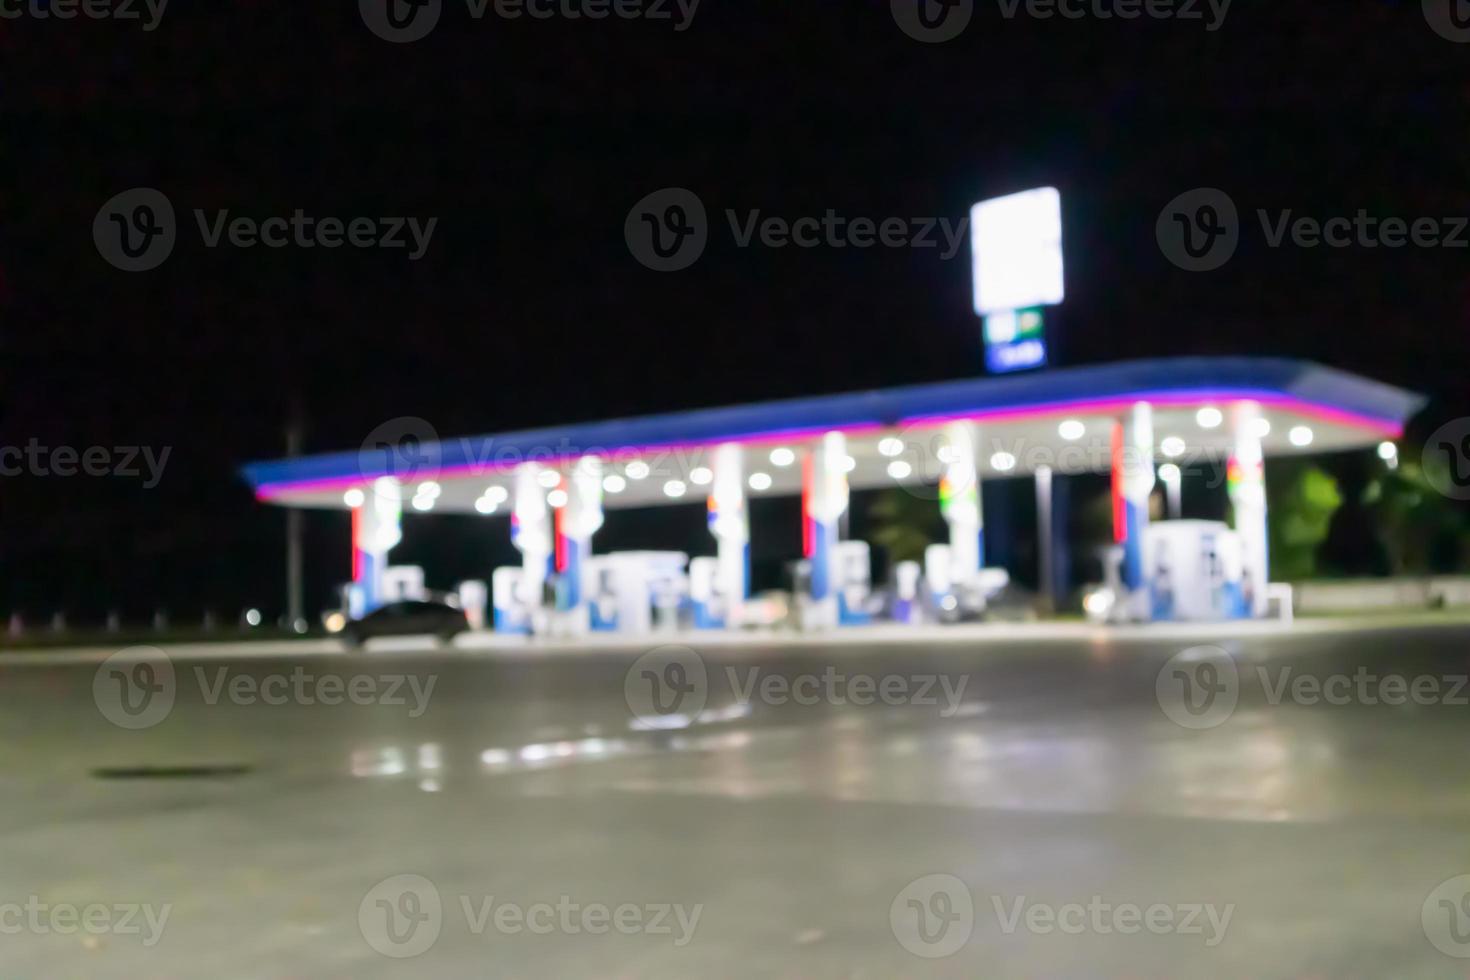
(1071, 430)
(1209, 417)
(760, 481)
(781, 456)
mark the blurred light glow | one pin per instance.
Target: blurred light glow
(354, 497)
(890, 446)
(701, 475)
(1169, 473)
(1260, 427)
(548, 478)
(485, 505)
(946, 454)
(613, 483)
(898, 469)
(557, 498)
(497, 494)
(335, 621)
(760, 481)
(423, 503)
(252, 616)
(848, 464)
(1071, 430)
(782, 456)
(1300, 435)
(1003, 461)
(1016, 250)
(1209, 417)
(429, 488)
(674, 488)
(1173, 446)
(1387, 451)
(636, 470)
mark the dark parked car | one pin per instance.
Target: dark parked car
(408, 617)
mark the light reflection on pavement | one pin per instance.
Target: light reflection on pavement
(793, 826)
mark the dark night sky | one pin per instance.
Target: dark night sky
(530, 140)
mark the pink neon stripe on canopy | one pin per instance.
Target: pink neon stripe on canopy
(1309, 389)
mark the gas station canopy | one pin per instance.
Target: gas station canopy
(1061, 418)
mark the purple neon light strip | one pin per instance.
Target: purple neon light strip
(1325, 413)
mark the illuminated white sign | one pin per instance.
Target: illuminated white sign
(1016, 248)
